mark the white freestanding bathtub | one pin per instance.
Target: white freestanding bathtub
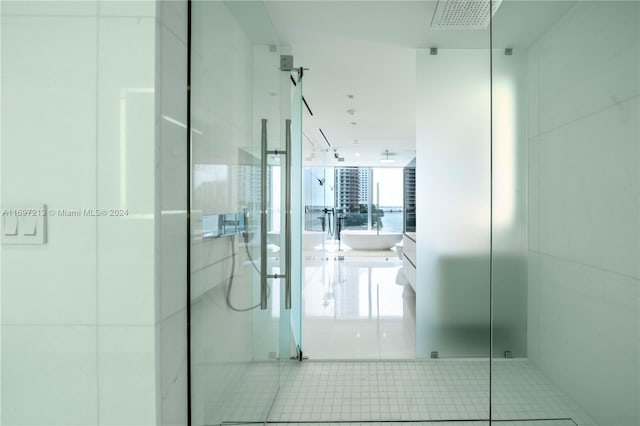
(370, 240)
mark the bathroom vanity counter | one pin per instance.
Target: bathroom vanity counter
(409, 257)
(411, 236)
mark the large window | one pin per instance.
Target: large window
(353, 198)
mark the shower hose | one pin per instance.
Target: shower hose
(233, 271)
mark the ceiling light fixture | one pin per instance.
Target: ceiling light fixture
(387, 159)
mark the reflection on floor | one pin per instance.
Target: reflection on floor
(425, 390)
(354, 307)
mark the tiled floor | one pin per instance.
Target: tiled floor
(354, 308)
(359, 332)
(233, 392)
(391, 390)
(429, 390)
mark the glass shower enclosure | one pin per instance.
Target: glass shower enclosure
(526, 195)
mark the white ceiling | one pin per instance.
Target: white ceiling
(381, 79)
(367, 49)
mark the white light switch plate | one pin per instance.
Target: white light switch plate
(10, 225)
(24, 225)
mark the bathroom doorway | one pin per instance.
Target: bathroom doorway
(357, 301)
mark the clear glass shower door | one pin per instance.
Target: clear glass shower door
(235, 321)
(296, 217)
(284, 216)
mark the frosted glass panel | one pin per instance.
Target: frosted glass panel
(509, 246)
(453, 200)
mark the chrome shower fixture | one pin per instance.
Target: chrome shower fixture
(464, 14)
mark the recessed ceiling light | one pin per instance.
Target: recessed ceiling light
(350, 96)
(351, 111)
(357, 154)
(353, 123)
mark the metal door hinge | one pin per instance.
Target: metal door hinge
(286, 62)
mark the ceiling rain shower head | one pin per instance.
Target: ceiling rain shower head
(463, 14)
